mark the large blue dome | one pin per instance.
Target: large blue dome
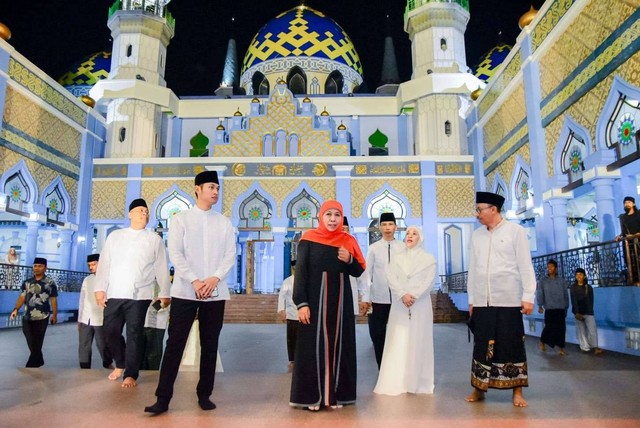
(302, 32)
(86, 72)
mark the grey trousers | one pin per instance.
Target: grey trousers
(86, 334)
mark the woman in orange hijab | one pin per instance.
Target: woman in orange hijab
(324, 371)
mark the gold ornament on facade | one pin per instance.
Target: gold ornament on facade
(279, 170)
(527, 18)
(239, 169)
(319, 169)
(255, 100)
(88, 100)
(361, 169)
(281, 81)
(220, 127)
(237, 113)
(476, 94)
(5, 33)
(341, 127)
(306, 100)
(324, 112)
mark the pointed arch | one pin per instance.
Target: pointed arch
(521, 188)
(613, 125)
(314, 87)
(168, 204)
(385, 200)
(302, 208)
(19, 185)
(56, 200)
(259, 84)
(253, 208)
(573, 146)
(334, 83)
(297, 81)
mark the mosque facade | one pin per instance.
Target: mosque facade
(551, 125)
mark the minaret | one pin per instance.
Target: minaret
(389, 78)
(441, 84)
(230, 73)
(436, 30)
(141, 31)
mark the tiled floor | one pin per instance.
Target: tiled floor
(578, 390)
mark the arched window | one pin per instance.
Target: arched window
(297, 81)
(123, 134)
(334, 83)
(260, 84)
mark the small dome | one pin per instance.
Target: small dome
(341, 127)
(476, 94)
(255, 100)
(86, 72)
(324, 112)
(220, 127)
(5, 33)
(88, 100)
(237, 113)
(306, 100)
(491, 61)
(527, 17)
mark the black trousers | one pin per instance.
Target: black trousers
(183, 313)
(86, 334)
(378, 319)
(292, 336)
(555, 327)
(132, 313)
(34, 333)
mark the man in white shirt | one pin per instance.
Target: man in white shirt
(90, 317)
(373, 282)
(289, 312)
(202, 248)
(131, 262)
(501, 288)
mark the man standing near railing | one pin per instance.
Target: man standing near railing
(630, 225)
(553, 301)
(501, 287)
(39, 295)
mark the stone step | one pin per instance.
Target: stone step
(262, 309)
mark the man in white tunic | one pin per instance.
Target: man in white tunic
(131, 262)
(90, 317)
(373, 284)
(202, 248)
(501, 288)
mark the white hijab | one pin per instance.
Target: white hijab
(412, 260)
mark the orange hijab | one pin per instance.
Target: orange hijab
(337, 238)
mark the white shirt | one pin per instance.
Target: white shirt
(285, 299)
(201, 244)
(130, 264)
(500, 269)
(89, 312)
(372, 284)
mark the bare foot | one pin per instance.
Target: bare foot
(598, 351)
(518, 398)
(476, 395)
(115, 374)
(129, 382)
(562, 352)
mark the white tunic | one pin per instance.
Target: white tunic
(285, 299)
(500, 269)
(201, 244)
(89, 312)
(372, 284)
(130, 264)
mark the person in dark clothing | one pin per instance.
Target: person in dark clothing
(553, 300)
(630, 226)
(582, 308)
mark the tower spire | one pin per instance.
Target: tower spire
(230, 72)
(389, 77)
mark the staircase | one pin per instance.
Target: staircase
(262, 309)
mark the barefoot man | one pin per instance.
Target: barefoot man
(132, 260)
(501, 288)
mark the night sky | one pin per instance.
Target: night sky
(53, 34)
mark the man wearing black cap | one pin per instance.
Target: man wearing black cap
(373, 282)
(39, 295)
(630, 226)
(90, 317)
(501, 288)
(131, 262)
(202, 248)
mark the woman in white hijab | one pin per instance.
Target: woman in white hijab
(407, 361)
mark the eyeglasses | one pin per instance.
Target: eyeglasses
(479, 209)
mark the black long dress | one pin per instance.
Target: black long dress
(324, 372)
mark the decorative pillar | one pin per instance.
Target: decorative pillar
(64, 250)
(279, 235)
(32, 242)
(605, 207)
(559, 222)
(343, 188)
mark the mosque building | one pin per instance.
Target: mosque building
(550, 123)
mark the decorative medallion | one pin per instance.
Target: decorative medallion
(239, 169)
(16, 193)
(576, 160)
(304, 212)
(524, 190)
(255, 213)
(626, 128)
(319, 169)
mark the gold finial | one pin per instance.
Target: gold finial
(476, 94)
(5, 33)
(88, 100)
(220, 126)
(306, 100)
(237, 113)
(341, 127)
(324, 112)
(255, 100)
(527, 17)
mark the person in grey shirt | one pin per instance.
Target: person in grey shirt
(553, 300)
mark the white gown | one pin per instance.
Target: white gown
(407, 361)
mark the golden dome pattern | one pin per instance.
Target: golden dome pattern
(302, 32)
